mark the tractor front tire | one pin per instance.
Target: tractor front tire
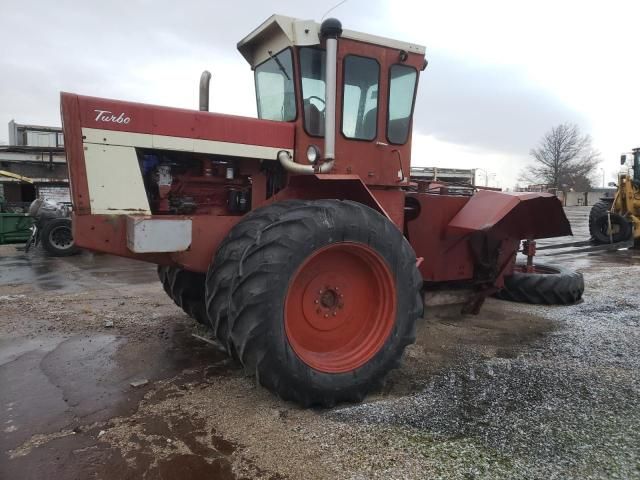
(547, 285)
(186, 289)
(323, 302)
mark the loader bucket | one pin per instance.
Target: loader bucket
(511, 215)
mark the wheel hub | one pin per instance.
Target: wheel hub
(61, 237)
(329, 298)
(324, 304)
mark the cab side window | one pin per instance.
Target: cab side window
(402, 87)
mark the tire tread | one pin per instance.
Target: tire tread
(562, 288)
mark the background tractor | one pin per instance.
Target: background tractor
(46, 222)
(299, 236)
(618, 219)
(51, 228)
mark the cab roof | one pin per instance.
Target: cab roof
(278, 32)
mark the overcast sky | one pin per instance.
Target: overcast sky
(500, 73)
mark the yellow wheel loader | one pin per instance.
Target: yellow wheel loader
(618, 219)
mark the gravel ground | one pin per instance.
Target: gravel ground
(518, 391)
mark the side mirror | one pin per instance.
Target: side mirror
(612, 184)
(623, 159)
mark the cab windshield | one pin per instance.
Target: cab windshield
(275, 88)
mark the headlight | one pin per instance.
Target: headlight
(313, 153)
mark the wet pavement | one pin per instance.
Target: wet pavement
(518, 391)
(65, 374)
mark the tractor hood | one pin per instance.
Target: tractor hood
(521, 215)
(104, 140)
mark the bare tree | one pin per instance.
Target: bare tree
(564, 159)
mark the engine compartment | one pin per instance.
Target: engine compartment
(183, 183)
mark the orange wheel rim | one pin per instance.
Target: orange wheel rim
(340, 308)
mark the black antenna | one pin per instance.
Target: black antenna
(332, 9)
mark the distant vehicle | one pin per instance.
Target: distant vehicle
(52, 228)
(617, 219)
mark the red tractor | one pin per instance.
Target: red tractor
(298, 236)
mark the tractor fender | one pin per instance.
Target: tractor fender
(389, 203)
(511, 216)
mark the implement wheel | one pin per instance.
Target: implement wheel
(186, 289)
(324, 301)
(549, 285)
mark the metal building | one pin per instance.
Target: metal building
(36, 153)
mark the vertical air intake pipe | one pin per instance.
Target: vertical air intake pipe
(205, 78)
(330, 30)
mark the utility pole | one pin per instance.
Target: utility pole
(486, 176)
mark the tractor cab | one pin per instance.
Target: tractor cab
(636, 164)
(350, 95)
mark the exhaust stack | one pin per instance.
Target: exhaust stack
(330, 29)
(205, 78)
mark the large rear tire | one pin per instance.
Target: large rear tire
(548, 285)
(227, 260)
(323, 302)
(186, 289)
(57, 238)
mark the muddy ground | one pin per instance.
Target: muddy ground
(515, 392)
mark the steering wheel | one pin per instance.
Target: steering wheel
(314, 97)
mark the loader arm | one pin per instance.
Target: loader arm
(4, 173)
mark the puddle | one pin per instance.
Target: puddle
(53, 384)
(73, 274)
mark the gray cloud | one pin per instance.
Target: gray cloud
(492, 107)
(96, 48)
(99, 48)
